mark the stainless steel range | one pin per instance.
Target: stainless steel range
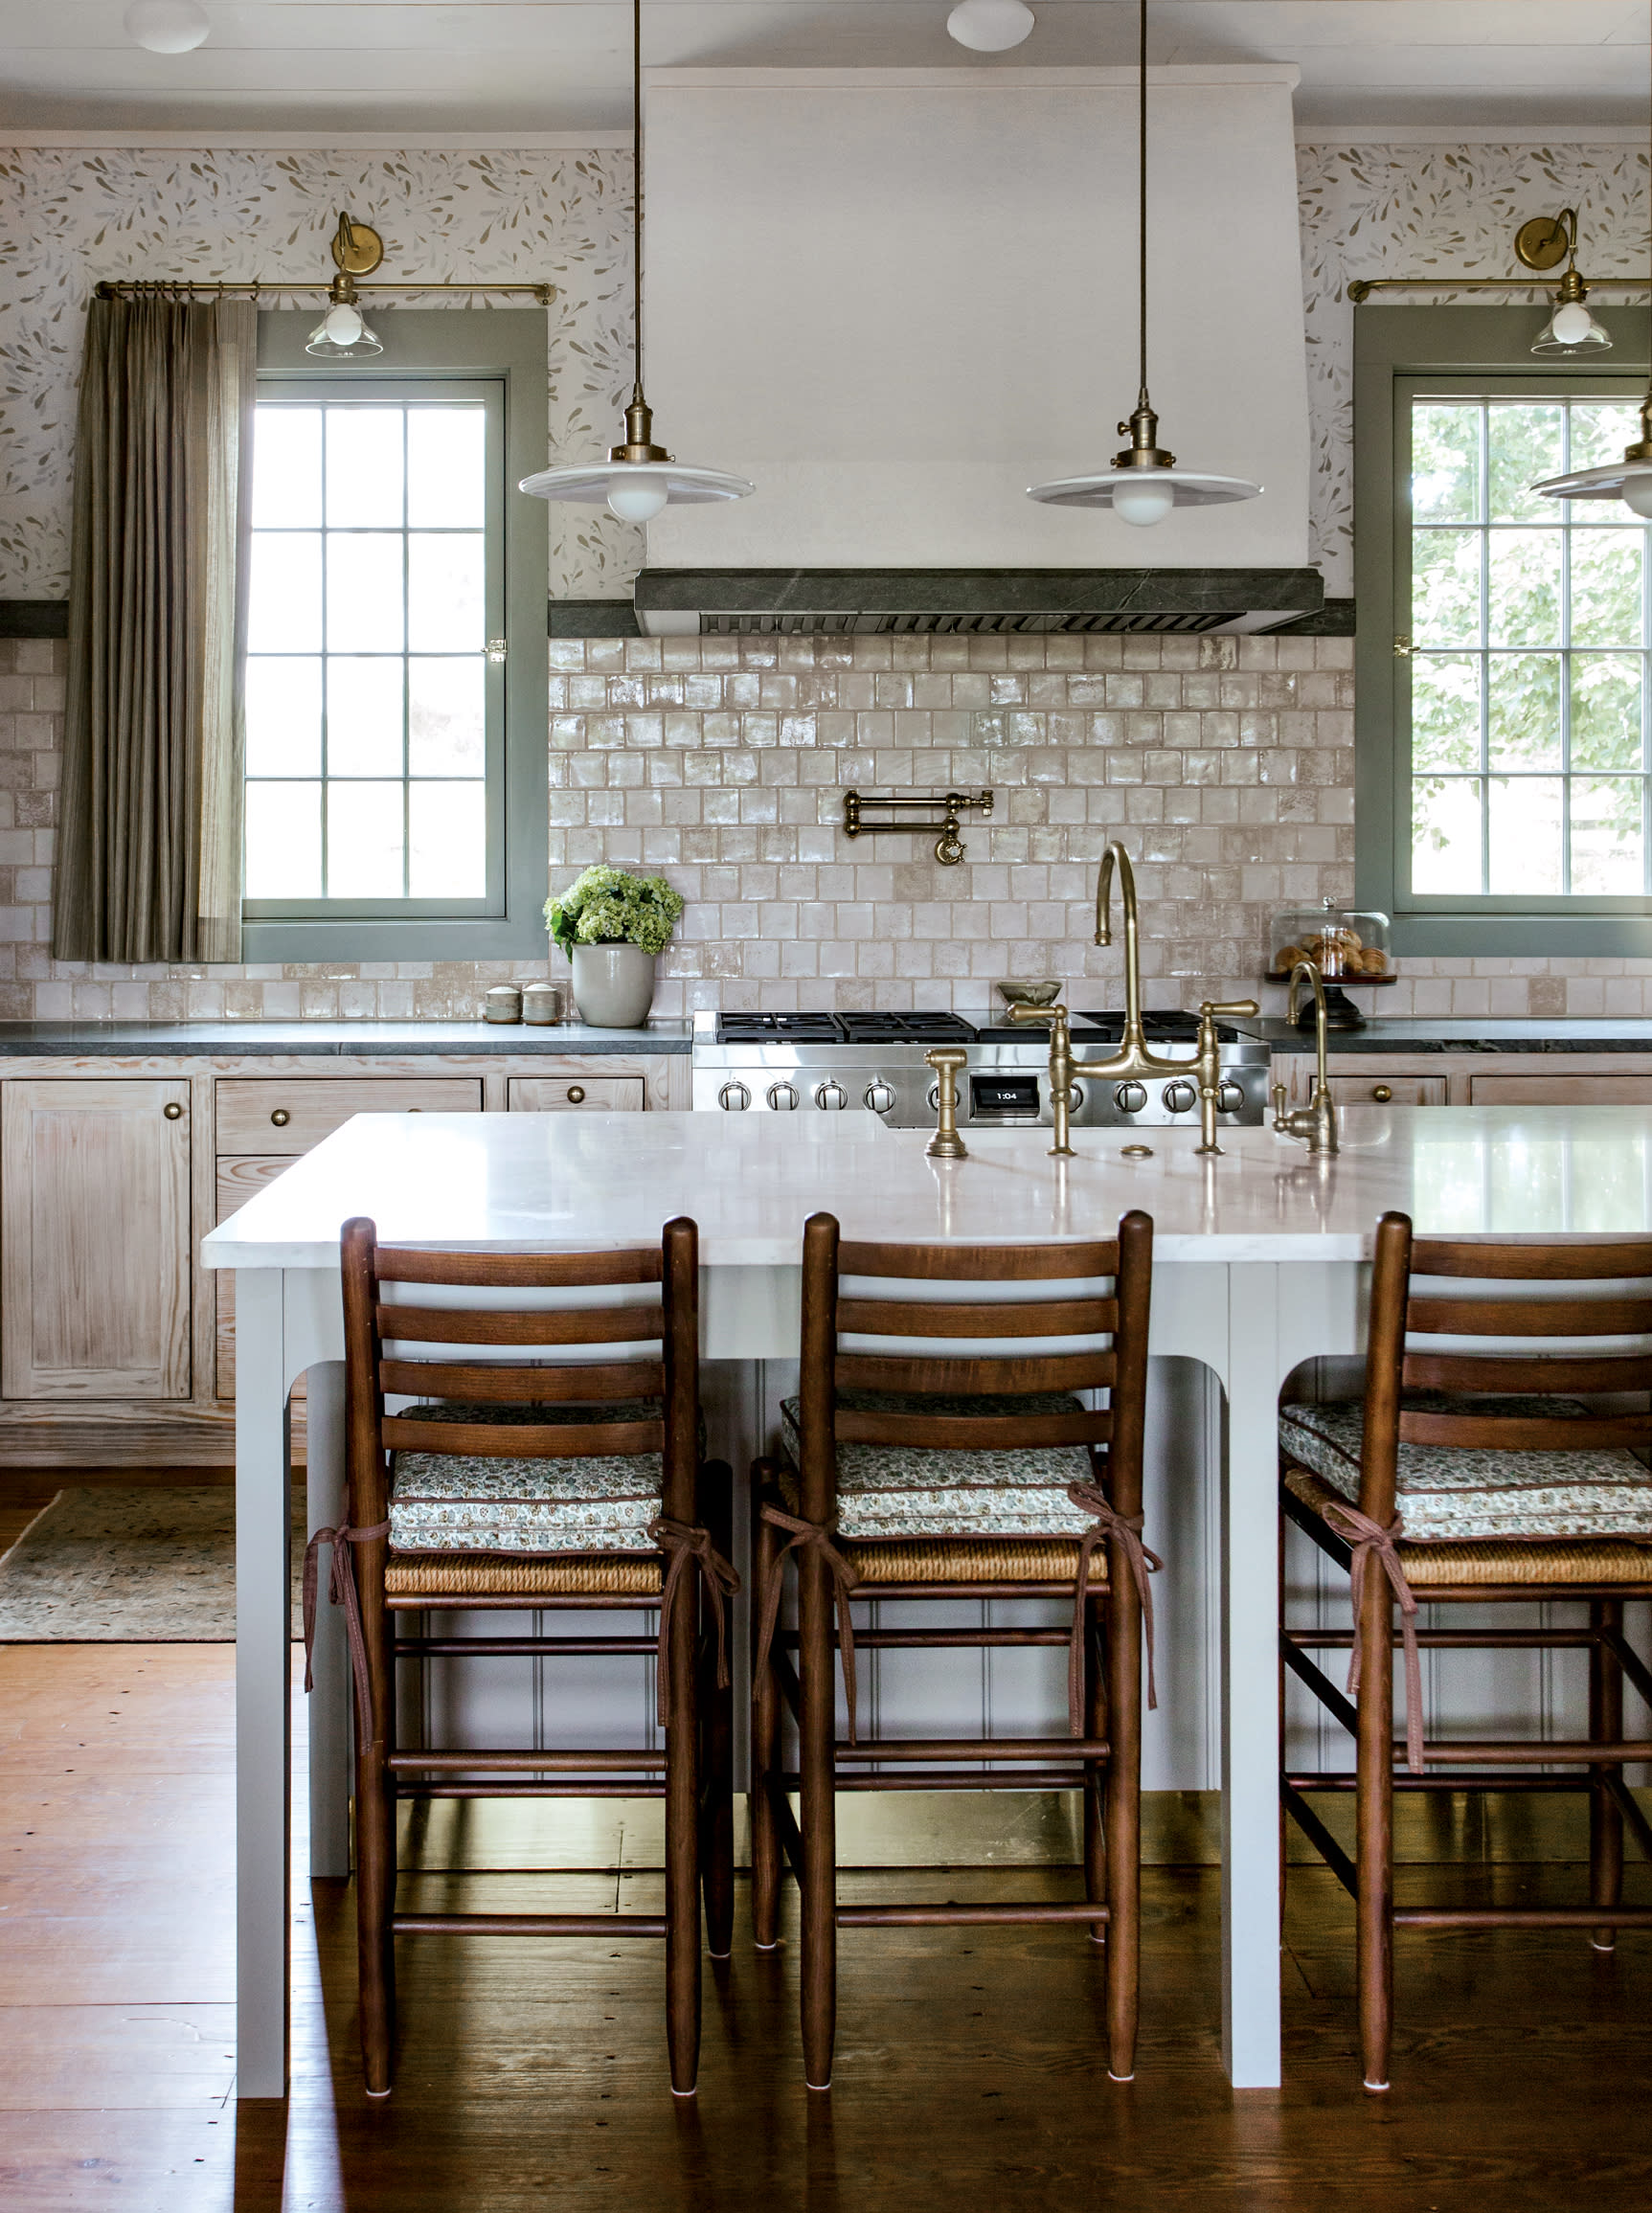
(830, 1063)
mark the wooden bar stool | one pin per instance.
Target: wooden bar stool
(1473, 1475)
(552, 1464)
(920, 1464)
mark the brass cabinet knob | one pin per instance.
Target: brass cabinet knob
(1383, 1092)
(173, 1110)
(576, 1094)
(280, 1116)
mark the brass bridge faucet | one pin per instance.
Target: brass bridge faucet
(1133, 1057)
(1317, 1122)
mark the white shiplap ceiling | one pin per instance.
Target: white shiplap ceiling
(464, 70)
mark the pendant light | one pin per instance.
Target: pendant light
(1144, 483)
(1629, 480)
(639, 478)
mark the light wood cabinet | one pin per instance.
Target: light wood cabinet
(295, 1114)
(1382, 1090)
(96, 1277)
(541, 1095)
(1560, 1090)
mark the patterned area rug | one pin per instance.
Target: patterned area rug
(149, 1565)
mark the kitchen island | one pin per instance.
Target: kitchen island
(1259, 1259)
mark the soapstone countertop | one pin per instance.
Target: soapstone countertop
(1473, 1033)
(749, 1181)
(134, 1040)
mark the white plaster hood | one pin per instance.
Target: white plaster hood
(896, 297)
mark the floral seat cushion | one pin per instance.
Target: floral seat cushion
(913, 1491)
(455, 1503)
(1450, 1492)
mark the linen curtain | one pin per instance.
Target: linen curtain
(149, 854)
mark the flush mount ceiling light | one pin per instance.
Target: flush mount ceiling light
(1544, 243)
(1629, 480)
(342, 334)
(166, 25)
(990, 26)
(639, 478)
(1144, 483)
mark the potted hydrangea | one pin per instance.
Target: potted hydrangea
(611, 925)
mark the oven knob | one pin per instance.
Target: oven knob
(1075, 1098)
(879, 1098)
(934, 1098)
(782, 1097)
(1229, 1097)
(830, 1097)
(1130, 1098)
(734, 1099)
(1180, 1095)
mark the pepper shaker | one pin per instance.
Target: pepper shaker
(503, 1004)
(542, 1004)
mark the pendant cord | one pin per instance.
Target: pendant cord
(1142, 194)
(637, 198)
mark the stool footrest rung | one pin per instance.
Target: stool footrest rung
(529, 1923)
(953, 1780)
(1025, 1747)
(565, 1787)
(1008, 1913)
(1523, 1917)
(519, 1763)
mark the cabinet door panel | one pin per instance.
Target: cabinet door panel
(237, 1182)
(261, 1115)
(541, 1095)
(96, 1269)
(1560, 1090)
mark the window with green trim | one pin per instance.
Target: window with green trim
(1504, 685)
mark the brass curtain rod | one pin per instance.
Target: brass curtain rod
(118, 287)
(1362, 287)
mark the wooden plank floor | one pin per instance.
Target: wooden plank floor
(969, 2075)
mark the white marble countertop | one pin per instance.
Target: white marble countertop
(593, 1179)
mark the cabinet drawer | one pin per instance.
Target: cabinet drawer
(1560, 1090)
(1379, 1090)
(549, 1095)
(289, 1116)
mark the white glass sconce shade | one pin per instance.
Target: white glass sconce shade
(1570, 329)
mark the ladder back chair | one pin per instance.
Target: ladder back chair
(1494, 1459)
(938, 1450)
(552, 1463)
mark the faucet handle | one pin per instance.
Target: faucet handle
(1227, 1009)
(1280, 1098)
(1022, 1010)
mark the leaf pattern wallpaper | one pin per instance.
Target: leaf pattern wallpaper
(1390, 211)
(70, 216)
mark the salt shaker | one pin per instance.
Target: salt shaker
(542, 1004)
(503, 1004)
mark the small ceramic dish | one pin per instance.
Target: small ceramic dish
(1043, 994)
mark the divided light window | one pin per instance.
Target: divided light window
(1530, 729)
(373, 709)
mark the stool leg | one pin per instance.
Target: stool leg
(1374, 1847)
(682, 1860)
(1095, 1773)
(1124, 1709)
(717, 1710)
(766, 1547)
(816, 1730)
(1605, 1723)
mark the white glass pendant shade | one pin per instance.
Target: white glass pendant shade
(1137, 496)
(635, 489)
(166, 26)
(990, 26)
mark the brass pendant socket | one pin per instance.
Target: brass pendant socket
(638, 443)
(1143, 450)
(1641, 449)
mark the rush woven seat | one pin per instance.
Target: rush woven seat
(948, 1441)
(1495, 1458)
(551, 1457)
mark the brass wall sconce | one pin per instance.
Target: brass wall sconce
(1541, 244)
(343, 334)
(948, 847)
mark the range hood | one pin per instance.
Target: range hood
(972, 602)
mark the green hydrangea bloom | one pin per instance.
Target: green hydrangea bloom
(611, 907)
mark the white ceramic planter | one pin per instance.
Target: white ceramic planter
(613, 985)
